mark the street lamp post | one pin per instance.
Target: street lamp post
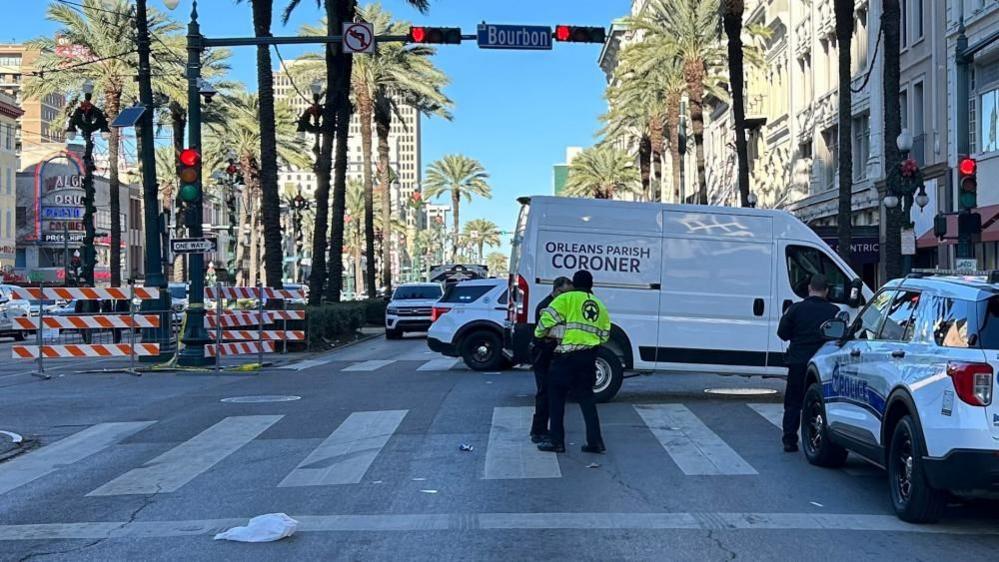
(752, 200)
(230, 179)
(88, 119)
(299, 205)
(310, 121)
(910, 189)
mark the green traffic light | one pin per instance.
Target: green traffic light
(189, 193)
(967, 200)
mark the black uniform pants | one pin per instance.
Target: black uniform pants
(542, 368)
(574, 372)
(794, 396)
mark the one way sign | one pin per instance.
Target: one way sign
(193, 245)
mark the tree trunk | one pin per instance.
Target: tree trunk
(358, 262)
(673, 130)
(270, 200)
(645, 162)
(844, 35)
(732, 21)
(111, 107)
(250, 178)
(455, 204)
(892, 252)
(178, 121)
(383, 125)
(365, 112)
(656, 142)
(693, 73)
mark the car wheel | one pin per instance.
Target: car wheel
(912, 496)
(609, 375)
(482, 350)
(819, 450)
(393, 334)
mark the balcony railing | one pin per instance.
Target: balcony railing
(827, 20)
(803, 38)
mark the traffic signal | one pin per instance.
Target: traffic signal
(190, 161)
(435, 35)
(967, 180)
(580, 34)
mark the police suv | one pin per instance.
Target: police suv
(908, 385)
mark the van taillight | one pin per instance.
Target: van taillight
(437, 311)
(519, 300)
(972, 382)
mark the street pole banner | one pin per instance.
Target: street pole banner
(261, 335)
(239, 348)
(84, 293)
(95, 350)
(88, 322)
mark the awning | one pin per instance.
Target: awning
(990, 229)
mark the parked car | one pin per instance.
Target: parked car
(9, 309)
(688, 288)
(910, 387)
(468, 323)
(410, 308)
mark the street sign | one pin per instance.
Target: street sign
(966, 264)
(193, 245)
(358, 38)
(516, 37)
(128, 117)
(908, 242)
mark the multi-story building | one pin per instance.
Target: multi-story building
(560, 172)
(39, 129)
(9, 113)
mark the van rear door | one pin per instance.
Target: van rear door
(714, 311)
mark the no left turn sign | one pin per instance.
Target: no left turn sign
(358, 38)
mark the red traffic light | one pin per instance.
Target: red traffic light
(189, 157)
(562, 32)
(435, 35)
(580, 34)
(967, 166)
(418, 34)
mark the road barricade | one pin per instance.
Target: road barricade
(244, 332)
(129, 321)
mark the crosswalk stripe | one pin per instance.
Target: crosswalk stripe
(438, 364)
(773, 413)
(307, 364)
(178, 466)
(69, 450)
(371, 365)
(694, 448)
(347, 454)
(510, 453)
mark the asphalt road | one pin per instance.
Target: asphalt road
(367, 459)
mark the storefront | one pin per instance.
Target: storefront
(865, 250)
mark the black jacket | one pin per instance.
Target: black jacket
(800, 326)
(543, 349)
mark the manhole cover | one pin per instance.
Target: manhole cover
(262, 398)
(741, 391)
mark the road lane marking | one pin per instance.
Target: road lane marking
(472, 522)
(371, 365)
(697, 450)
(179, 465)
(773, 413)
(347, 454)
(438, 364)
(307, 364)
(510, 453)
(66, 451)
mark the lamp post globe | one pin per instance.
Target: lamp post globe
(891, 201)
(904, 140)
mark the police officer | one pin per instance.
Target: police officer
(544, 349)
(800, 326)
(587, 325)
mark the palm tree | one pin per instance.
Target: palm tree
(498, 264)
(354, 235)
(460, 176)
(844, 38)
(628, 119)
(732, 11)
(602, 172)
(99, 29)
(481, 233)
(891, 19)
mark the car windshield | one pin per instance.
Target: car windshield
(461, 293)
(422, 292)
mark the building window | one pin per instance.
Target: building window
(7, 225)
(831, 138)
(904, 31)
(989, 102)
(903, 106)
(917, 20)
(972, 114)
(861, 145)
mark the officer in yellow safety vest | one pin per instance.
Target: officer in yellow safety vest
(586, 326)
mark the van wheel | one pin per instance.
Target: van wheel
(912, 496)
(819, 450)
(482, 350)
(609, 375)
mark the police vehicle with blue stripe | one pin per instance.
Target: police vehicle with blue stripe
(909, 385)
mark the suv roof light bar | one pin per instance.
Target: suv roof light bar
(992, 276)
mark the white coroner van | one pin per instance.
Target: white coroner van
(689, 288)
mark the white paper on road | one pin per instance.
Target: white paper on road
(262, 528)
(697, 450)
(372, 365)
(438, 364)
(510, 453)
(773, 413)
(69, 450)
(178, 466)
(347, 454)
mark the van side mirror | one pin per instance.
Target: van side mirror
(855, 295)
(833, 330)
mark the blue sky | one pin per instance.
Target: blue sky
(515, 112)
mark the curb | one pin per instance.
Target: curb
(362, 339)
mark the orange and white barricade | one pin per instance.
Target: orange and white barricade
(130, 322)
(238, 348)
(243, 332)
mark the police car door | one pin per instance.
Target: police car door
(847, 403)
(889, 359)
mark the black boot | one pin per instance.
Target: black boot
(549, 447)
(598, 449)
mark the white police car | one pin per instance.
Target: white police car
(909, 386)
(468, 322)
